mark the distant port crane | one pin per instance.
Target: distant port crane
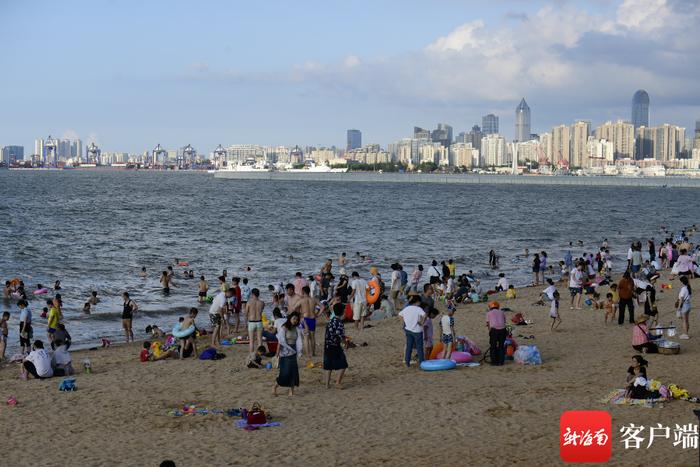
(219, 157)
(93, 154)
(187, 157)
(51, 151)
(157, 152)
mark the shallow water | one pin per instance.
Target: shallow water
(94, 230)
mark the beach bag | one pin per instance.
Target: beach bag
(256, 415)
(208, 354)
(527, 355)
(67, 385)
(518, 319)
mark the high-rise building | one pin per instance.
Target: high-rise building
(522, 121)
(643, 144)
(668, 142)
(420, 133)
(39, 148)
(464, 155)
(76, 150)
(696, 143)
(561, 145)
(489, 124)
(493, 150)
(580, 131)
(474, 137)
(354, 140)
(600, 152)
(640, 109)
(442, 135)
(11, 154)
(622, 136)
(546, 146)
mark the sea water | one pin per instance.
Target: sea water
(95, 229)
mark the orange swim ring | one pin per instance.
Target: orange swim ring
(373, 291)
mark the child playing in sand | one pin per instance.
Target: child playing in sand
(447, 324)
(609, 307)
(255, 360)
(510, 293)
(554, 312)
(3, 334)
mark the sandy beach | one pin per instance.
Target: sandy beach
(386, 414)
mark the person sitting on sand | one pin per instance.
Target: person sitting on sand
(547, 295)
(640, 337)
(37, 363)
(61, 361)
(502, 284)
(152, 352)
(637, 379)
(154, 331)
(255, 359)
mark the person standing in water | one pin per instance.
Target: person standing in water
(165, 280)
(130, 307)
(342, 261)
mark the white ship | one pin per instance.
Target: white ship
(310, 166)
(249, 165)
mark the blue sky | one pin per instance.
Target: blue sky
(132, 74)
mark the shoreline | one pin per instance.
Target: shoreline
(465, 179)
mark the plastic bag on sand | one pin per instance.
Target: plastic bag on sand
(528, 355)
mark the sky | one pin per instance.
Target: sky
(131, 74)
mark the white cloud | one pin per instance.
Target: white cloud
(465, 36)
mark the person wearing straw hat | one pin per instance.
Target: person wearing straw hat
(496, 322)
(640, 336)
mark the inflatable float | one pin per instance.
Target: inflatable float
(438, 365)
(461, 357)
(373, 292)
(41, 291)
(182, 333)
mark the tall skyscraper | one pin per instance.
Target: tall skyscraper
(354, 139)
(522, 121)
(493, 151)
(580, 131)
(489, 124)
(640, 109)
(696, 143)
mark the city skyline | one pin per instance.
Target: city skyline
(229, 83)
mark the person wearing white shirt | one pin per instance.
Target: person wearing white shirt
(37, 363)
(413, 317)
(217, 311)
(61, 361)
(359, 300)
(502, 283)
(548, 293)
(576, 286)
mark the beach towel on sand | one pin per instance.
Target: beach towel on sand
(617, 397)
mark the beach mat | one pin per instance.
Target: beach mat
(617, 397)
